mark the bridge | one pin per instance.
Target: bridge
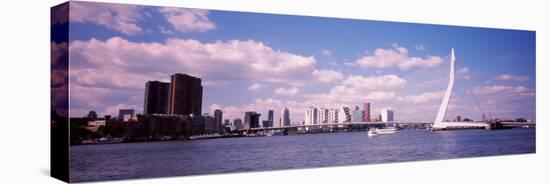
(436, 125)
(376, 123)
(439, 124)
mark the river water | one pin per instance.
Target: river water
(180, 158)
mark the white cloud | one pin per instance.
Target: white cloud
(214, 107)
(326, 52)
(503, 90)
(352, 64)
(463, 70)
(188, 20)
(122, 18)
(164, 30)
(378, 83)
(133, 63)
(113, 110)
(293, 91)
(255, 87)
(420, 47)
(510, 77)
(396, 57)
(424, 97)
(357, 89)
(327, 75)
(58, 52)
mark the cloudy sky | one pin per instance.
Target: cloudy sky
(263, 61)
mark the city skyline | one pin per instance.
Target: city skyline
(296, 63)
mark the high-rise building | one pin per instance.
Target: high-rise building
(125, 114)
(252, 119)
(366, 108)
(266, 123)
(218, 115)
(323, 116)
(344, 115)
(198, 124)
(386, 115)
(238, 123)
(156, 97)
(333, 116)
(357, 115)
(210, 124)
(185, 95)
(226, 122)
(270, 116)
(285, 117)
(311, 116)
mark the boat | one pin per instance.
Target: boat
(386, 130)
(372, 132)
(378, 131)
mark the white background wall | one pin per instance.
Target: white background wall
(24, 92)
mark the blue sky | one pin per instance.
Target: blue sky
(251, 61)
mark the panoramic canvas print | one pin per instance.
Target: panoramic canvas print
(146, 91)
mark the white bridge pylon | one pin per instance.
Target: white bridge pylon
(438, 122)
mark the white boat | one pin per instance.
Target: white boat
(372, 132)
(386, 130)
(378, 131)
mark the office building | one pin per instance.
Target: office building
(311, 116)
(366, 108)
(386, 115)
(218, 115)
(185, 95)
(344, 115)
(252, 119)
(357, 115)
(156, 97)
(125, 114)
(285, 117)
(238, 123)
(333, 116)
(226, 122)
(323, 116)
(270, 117)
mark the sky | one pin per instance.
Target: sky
(256, 62)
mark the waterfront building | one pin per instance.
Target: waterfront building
(218, 115)
(386, 115)
(185, 95)
(285, 117)
(323, 116)
(210, 124)
(344, 115)
(270, 117)
(226, 122)
(197, 124)
(252, 119)
(333, 116)
(156, 97)
(311, 116)
(125, 114)
(94, 124)
(238, 123)
(357, 115)
(366, 108)
(266, 123)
